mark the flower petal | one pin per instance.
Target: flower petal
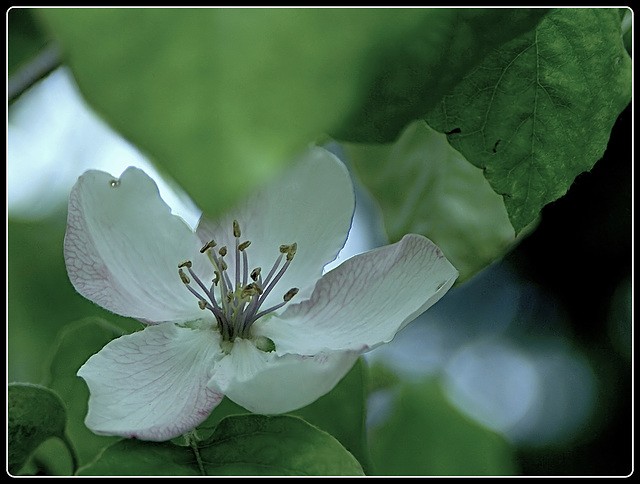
(311, 204)
(269, 384)
(365, 301)
(123, 246)
(151, 385)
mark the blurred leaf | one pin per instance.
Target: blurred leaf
(413, 73)
(35, 414)
(25, 38)
(41, 300)
(424, 186)
(73, 347)
(425, 436)
(223, 98)
(539, 110)
(240, 445)
(341, 413)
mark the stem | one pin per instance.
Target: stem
(36, 69)
(193, 443)
(72, 453)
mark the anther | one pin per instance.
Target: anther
(255, 273)
(248, 291)
(202, 304)
(290, 293)
(292, 251)
(209, 245)
(183, 277)
(236, 229)
(222, 251)
(186, 264)
(244, 245)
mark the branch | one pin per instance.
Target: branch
(36, 69)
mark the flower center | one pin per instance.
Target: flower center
(240, 300)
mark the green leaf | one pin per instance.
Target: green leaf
(25, 39)
(241, 445)
(35, 414)
(75, 343)
(410, 75)
(424, 186)
(425, 436)
(341, 413)
(539, 110)
(223, 98)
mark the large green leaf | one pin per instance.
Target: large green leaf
(341, 413)
(426, 436)
(35, 414)
(253, 445)
(539, 110)
(424, 186)
(223, 98)
(412, 74)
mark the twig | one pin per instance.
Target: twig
(37, 68)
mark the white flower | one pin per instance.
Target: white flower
(240, 306)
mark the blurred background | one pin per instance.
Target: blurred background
(537, 348)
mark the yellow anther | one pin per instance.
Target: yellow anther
(292, 251)
(248, 291)
(290, 293)
(236, 229)
(244, 245)
(186, 264)
(222, 251)
(202, 304)
(255, 273)
(209, 245)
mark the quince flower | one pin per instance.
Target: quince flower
(239, 307)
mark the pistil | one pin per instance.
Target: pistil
(239, 302)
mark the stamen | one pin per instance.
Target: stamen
(183, 277)
(287, 297)
(290, 293)
(255, 273)
(238, 305)
(292, 251)
(209, 245)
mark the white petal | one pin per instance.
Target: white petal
(311, 204)
(365, 301)
(123, 246)
(269, 384)
(152, 385)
